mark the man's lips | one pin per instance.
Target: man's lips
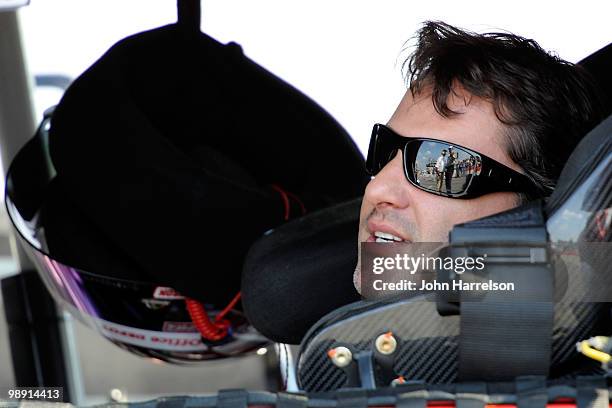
(384, 231)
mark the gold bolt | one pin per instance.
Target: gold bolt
(386, 343)
(340, 356)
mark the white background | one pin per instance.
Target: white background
(344, 54)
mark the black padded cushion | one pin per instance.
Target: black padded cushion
(167, 147)
(301, 271)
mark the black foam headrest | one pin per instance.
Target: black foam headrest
(168, 147)
(301, 271)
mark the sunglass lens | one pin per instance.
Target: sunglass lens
(441, 168)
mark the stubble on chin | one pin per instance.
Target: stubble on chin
(408, 228)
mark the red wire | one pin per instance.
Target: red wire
(300, 203)
(212, 331)
(285, 199)
(229, 307)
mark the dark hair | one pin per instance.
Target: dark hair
(547, 104)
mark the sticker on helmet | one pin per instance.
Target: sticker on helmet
(170, 341)
(163, 292)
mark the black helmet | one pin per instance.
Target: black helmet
(142, 192)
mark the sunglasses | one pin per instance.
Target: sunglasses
(445, 169)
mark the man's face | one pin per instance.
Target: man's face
(392, 205)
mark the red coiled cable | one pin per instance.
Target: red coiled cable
(210, 330)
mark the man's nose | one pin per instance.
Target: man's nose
(389, 187)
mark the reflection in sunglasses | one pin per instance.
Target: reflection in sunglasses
(444, 169)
